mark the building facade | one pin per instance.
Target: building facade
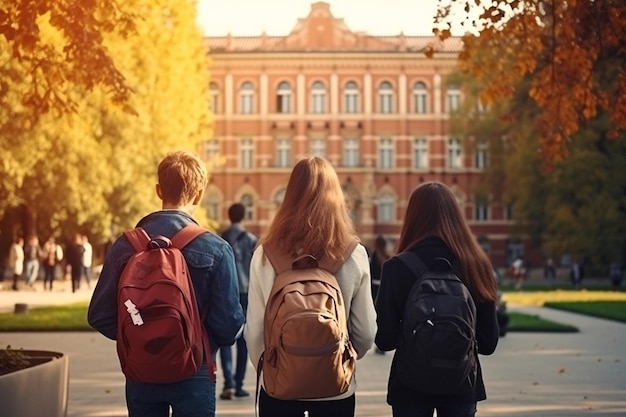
(375, 106)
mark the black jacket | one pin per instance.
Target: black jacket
(396, 283)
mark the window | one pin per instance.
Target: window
(283, 98)
(454, 98)
(211, 149)
(351, 97)
(385, 93)
(454, 154)
(214, 93)
(351, 153)
(386, 209)
(246, 152)
(318, 97)
(248, 203)
(318, 147)
(480, 156)
(246, 98)
(481, 209)
(386, 154)
(279, 196)
(283, 153)
(419, 98)
(420, 153)
(212, 205)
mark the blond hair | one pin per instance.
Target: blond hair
(181, 176)
(313, 217)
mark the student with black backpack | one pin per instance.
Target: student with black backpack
(437, 308)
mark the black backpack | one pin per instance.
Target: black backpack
(438, 352)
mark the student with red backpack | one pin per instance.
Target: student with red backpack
(310, 309)
(168, 294)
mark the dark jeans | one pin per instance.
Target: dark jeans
(271, 407)
(235, 380)
(464, 410)
(193, 397)
(48, 275)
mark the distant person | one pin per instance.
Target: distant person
(518, 272)
(74, 256)
(182, 178)
(16, 261)
(576, 274)
(32, 257)
(87, 260)
(243, 243)
(52, 255)
(549, 272)
(617, 275)
(436, 231)
(377, 258)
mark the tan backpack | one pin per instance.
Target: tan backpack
(307, 353)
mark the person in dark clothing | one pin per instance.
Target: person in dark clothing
(435, 227)
(74, 257)
(377, 259)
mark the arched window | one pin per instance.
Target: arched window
(385, 95)
(318, 97)
(283, 98)
(279, 197)
(248, 203)
(351, 98)
(385, 212)
(420, 98)
(246, 98)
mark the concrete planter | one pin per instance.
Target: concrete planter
(39, 390)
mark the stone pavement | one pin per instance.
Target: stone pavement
(531, 374)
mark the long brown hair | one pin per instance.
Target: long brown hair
(313, 217)
(434, 212)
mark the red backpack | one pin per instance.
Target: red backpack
(161, 337)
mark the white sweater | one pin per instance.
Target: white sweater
(355, 284)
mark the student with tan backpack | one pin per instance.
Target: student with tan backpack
(310, 309)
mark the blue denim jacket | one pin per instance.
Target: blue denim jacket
(212, 268)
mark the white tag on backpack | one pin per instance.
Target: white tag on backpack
(134, 313)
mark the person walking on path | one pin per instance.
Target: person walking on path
(87, 260)
(312, 220)
(74, 255)
(16, 261)
(243, 243)
(32, 256)
(51, 257)
(182, 178)
(434, 227)
(377, 259)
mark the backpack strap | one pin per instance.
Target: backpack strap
(282, 262)
(413, 262)
(138, 238)
(185, 235)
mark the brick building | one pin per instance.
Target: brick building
(375, 106)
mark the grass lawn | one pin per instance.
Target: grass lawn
(72, 317)
(520, 322)
(612, 310)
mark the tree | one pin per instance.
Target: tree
(76, 56)
(94, 169)
(570, 51)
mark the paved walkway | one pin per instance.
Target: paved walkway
(531, 374)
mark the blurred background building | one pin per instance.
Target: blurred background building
(375, 106)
